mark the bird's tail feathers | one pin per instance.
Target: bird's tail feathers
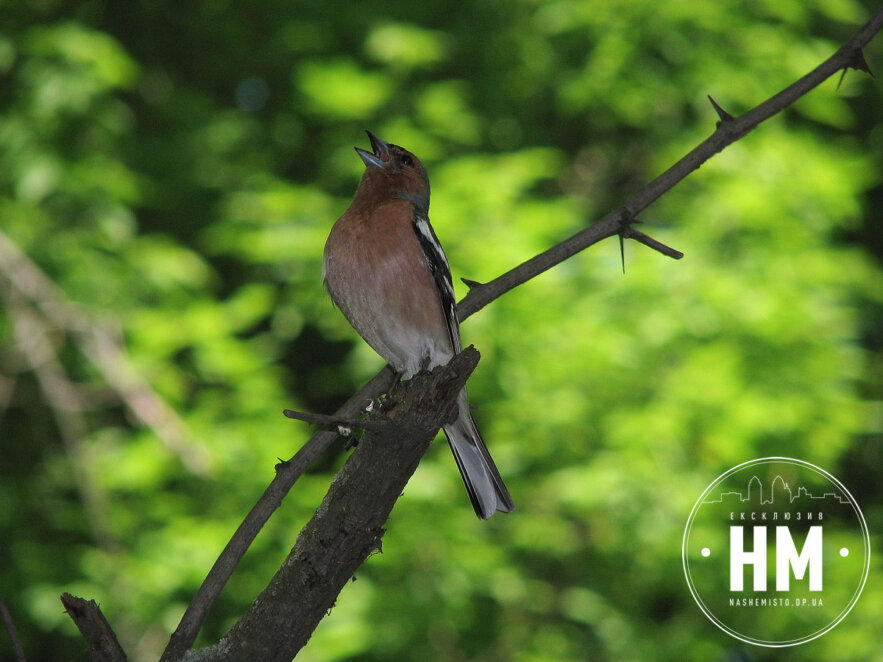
(483, 482)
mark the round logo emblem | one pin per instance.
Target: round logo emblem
(776, 552)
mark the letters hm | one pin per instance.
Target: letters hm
(787, 558)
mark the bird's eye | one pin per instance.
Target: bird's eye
(407, 160)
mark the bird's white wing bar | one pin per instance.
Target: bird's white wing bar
(438, 266)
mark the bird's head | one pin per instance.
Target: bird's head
(393, 170)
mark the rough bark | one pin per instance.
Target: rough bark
(348, 526)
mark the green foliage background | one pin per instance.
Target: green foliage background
(175, 169)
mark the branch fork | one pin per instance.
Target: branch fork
(346, 528)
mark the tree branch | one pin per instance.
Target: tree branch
(479, 296)
(86, 614)
(347, 527)
(335, 421)
(287, 474)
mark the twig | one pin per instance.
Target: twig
(336, 421)
(87, 616)
(13, 634)
(650, 242)
(480, 296)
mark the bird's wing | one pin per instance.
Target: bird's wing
(441, 273)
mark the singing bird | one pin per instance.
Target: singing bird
(386, 271)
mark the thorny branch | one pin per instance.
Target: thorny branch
(727, 132)
(618, 222)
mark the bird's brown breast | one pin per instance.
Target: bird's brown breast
(377, 276)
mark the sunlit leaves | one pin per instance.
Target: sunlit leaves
(342, 90)
(406, 45)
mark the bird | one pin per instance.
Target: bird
(385, 269)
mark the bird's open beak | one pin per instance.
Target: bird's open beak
(380, 149)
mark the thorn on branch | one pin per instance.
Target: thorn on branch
(723, 114)
(335, 422)
(626, 220)
(858, 62)
(472, 284)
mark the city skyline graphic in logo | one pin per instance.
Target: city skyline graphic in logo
(755, 494)
(776, 552)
